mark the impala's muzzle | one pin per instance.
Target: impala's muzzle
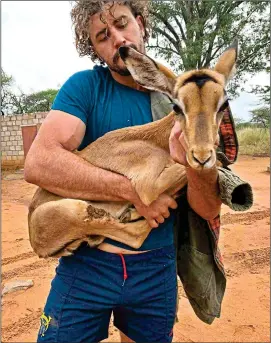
(201, 157)
(123, 51)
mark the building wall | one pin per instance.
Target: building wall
(11, 137)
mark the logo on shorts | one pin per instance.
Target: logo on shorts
(44, 324)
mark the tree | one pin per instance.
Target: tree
(263, 92)
(192, 34)
(7, 82)
(40, 101)
(238, 121)
(29, 103)
(19, 102)
(261, 116)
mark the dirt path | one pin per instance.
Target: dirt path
(244, 244)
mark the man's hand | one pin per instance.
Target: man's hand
(177, 144)
(158, 210)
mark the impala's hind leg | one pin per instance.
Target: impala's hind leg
(131, 233)
(123, 211)
(56, 228)
(69, 249)
(55, 225)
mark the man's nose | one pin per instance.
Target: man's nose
(118, 38)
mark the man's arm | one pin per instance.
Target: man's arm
(203, 192)
(202, 187)
(50, 164)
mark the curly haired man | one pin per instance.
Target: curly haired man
(138, 286)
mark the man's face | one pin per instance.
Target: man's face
(112, 28)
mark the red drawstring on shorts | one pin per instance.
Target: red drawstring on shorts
(125, 275)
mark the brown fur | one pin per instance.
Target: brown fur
(57, 226)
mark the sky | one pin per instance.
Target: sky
(38, 49)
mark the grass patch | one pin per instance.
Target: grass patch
(254, 141)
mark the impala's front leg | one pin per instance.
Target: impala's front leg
(170, 180)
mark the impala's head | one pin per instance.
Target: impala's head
(199, 99)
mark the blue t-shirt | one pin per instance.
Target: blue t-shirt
(105, 105)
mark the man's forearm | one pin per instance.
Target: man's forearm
(203, 192)
(66, 174)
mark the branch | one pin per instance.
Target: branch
(188, 4)
(208, 56)
(181, 28)
(157, 29)
(167, 24)
(213, 55)
(184, 14)
(162, 48)
(255, 50)
(234, 5)
(239, 28)
(197, 7)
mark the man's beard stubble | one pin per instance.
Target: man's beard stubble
(121, 71)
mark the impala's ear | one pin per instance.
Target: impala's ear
(145, 71)
(227, 61)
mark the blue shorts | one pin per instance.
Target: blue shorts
(140, 290)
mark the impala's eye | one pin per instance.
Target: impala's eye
(177, 109)
(224, 106)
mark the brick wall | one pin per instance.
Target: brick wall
(11, 137)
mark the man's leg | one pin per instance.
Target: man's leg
(65, 321)
(148, 308)
(81, 299)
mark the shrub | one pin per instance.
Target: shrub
(254, 141)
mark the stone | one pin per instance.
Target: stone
(11, 177)
(17, 285)
(19, 171)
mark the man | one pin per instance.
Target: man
(139, 286)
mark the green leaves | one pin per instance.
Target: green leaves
(40, 101)
(261, 116)
(263, 92)
(6, 84)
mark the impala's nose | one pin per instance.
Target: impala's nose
(202, 156)
(123, 51)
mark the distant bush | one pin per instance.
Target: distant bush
(243, 125)
(254, 141)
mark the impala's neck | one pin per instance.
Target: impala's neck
(157, 132)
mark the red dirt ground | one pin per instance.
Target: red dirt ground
(244, 244)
